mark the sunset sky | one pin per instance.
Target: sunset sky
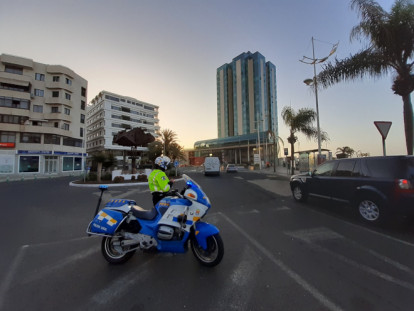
(167, 52)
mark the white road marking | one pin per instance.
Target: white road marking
(50, 269)
(293, 275)
(117, 287)
(236, 294)
(318, 234)
(5, 284)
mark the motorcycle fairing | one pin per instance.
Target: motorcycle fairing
(179, 246)
(202, 231)
(120, 204)
(106, 222)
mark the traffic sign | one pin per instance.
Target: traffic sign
(383, 127)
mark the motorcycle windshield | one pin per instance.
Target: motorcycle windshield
(201, 196)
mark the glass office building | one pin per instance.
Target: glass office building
(246, 96)
(246, 111)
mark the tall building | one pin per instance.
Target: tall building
(246, 113)
(42, 118)
(246, 96)
(110, 113)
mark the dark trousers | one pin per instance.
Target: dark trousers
(156, 197)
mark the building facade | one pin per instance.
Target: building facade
(246, 96)
(246, 112)
(109, 113)
(42, 119)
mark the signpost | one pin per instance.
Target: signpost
(383, 127)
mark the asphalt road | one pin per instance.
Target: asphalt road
(279, 254)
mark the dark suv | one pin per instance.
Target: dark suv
(376, 186)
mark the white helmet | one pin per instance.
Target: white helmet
(162, 162)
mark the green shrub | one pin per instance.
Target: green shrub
(142, 178)
(92, 177)
(107, 176)
(118, 179)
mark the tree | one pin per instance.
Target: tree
(302, 122)
(99, 158)
(155, 149)
(166, 144)
(344, 152)
(391, 48)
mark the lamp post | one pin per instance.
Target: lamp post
(313, 61)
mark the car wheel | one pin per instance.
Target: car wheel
(371, 210)
(298, 193)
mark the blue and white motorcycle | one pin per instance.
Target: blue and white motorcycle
(168, 227)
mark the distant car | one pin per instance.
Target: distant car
(211, 166)
(231, 168)
(376, 186)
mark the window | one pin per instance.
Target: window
(55, 94)
(324, 169)
(40, 76)
(39, 93)
(37, 108)
(5, 118)
(81, 132)
(68, 81)
(56, 78)
(13, 69)
(36, 123)
(28, 164)
(56, 124)
(67, 96)
(7, 137)
(345, 168)
(115, 99)
(72, 142)
(72, 164)
(55, 109)
(52, 139)
(82, 118)
(83, 92)
(65, 127)
(67, 111)
(30, 138)
(83, 105)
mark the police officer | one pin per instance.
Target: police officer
(158, 182)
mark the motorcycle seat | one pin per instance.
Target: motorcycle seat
(141, 213)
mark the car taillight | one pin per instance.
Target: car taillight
(405, 184)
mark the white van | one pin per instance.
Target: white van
(211, 166)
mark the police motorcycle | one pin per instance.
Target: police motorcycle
(168, 227)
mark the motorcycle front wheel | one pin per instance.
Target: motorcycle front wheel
(113, 252)
(214, 252)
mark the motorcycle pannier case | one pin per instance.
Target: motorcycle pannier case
(105, 222)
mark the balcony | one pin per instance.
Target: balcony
(58, 101)
(11, 78)
(57, 116)
(60, 85)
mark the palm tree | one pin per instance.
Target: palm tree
(390, 49)
(344, 152)
(171, 148)
(302, 122)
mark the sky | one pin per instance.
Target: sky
(166, 52)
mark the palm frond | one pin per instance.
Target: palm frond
(364, 63)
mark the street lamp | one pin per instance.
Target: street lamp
(313, 61)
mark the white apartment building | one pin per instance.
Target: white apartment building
(109, 113)
(42, 119)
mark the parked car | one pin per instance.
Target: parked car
(231, 168)
(376, 186)
(211, 166)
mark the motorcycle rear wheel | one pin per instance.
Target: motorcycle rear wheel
(113, 253)
(214, 253)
